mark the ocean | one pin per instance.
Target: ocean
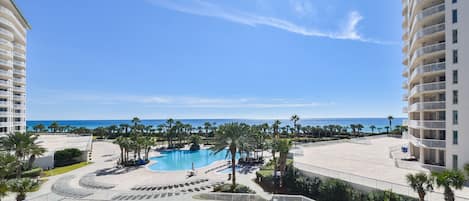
(366, 122)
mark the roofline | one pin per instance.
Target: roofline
(21, 14)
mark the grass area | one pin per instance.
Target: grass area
(65, 169)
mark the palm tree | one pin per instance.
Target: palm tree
(135, 121)
(390, 118)
(372, 127)
(295, 118)
(22, 145)
(233, 136)
(275, 127)
(421, 183)
(387, 129)
(3, 188)
(38, 128)
(449, 179)
(283, 147)
(359, 128)
(35, 151)
(21, 187)
(54, 126)
(207, 126)
(7, 167)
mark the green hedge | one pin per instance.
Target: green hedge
(36, 172)
(66, 157)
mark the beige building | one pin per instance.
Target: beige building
(13, 28)
(435, 52)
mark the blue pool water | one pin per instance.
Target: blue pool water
(182, 159)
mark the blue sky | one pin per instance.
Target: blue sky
(213, 59)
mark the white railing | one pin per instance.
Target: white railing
(428, 68)
(370, 182)
(250, 197)
(19, 55)
(439, 105)
(436, 86)
(6, 32)
(4, 93)
(428, 124)
(5, 62)
(6, 53)
(19, 80)
(19, 46)
(405, 97)
(19, 63)
(427, 50)
(427, 31)
(426, 142)
(427, 12)
(12, 26)
(434, 168)
(20, 72)
(6, 73)
(5, 42)
(405, 110)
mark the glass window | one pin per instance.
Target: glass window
(455, 117)
(455, 56)
(455, 162)
(455, 76)
(455, 36)
(455, 137)
(455, 1)
(455, 97)
(455, 16)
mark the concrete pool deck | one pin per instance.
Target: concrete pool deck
(361, 162)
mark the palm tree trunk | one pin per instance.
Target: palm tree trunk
(233, 168)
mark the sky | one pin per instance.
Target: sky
(255, 59)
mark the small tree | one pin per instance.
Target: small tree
(21, 187)
(449, 179)
(195, 142)
(421, 183)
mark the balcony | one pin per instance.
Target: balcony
(6, 33)
(426, 50)
(4, 93)
(405, 85)
(427, 143)
(427, 88)
(427, 124)
(19, 89)
(404, 110)
(6, 43)
(19, 55)
(5, 73)
(437, 9)
(4, 83)
(428, 68)
(405, 97)
(20, 47)
(427, 106)
(19, 80)
(19, 72)
(20, 63)
(405, 72)
(6, 53)
(426, 31)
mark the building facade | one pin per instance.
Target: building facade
(436, 53)
(13, 28)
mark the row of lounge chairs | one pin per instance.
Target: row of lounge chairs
(218, 167)
(88, 181)
(167, 187)
(165, 195)
(62, 187)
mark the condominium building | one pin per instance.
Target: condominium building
(436, 53)
(13, 28)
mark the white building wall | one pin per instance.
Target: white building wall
(461, 150)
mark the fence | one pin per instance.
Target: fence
(250, 197)
(370, 182)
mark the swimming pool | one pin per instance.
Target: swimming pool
(177, 160)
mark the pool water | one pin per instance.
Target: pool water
(177, 160)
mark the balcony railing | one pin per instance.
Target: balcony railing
(8, 12)
(19, 46)
(404, 110)
(4, 93)
(6, 53)
(6, 32)
(441, 105)
(19, 63)
(427, 50)
(436, 86)
(5, 73)
(427, 124)
(19, 80)
(6, 43)
(405, 97)
(429, 68)
(440, 8)
(19, 72)
(405, 85)
(427, 31)
(433, 143)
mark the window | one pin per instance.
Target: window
(455, 56)
(3, 129)
(455, 1)
(455, 76)
(455, 162)
(455, 97)
(455, 36)
(455, 117)
(455, 16)
(455, 137)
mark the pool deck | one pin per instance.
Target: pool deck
(104, 158)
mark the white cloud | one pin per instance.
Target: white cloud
(171, 101)
(204, 8)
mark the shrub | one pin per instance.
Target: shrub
(227, 188)
(333, 190)
(36, 172)
(66, 157)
